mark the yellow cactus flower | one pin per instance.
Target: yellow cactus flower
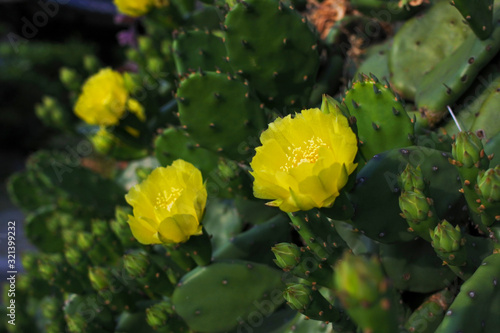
(104, 99)
(168, 205)
(136, 8)
(304, 161)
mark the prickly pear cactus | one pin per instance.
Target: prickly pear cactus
(232, 292)
(271, 167)
(225, 114)
(381, 120)
(260, 35)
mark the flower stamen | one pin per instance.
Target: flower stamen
(166, 199)
(307, 153)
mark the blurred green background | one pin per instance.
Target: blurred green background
(37, 38)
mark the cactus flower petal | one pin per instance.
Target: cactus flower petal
(136, 8)
(143, 231)
(304, 161)
(168, 205)
(178, 228)
(105, 99)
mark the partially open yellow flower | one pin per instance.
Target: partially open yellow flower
(168, 205)
(304, 161)
(104, 99)
(136, 8)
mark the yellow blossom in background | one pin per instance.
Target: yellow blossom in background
(136, 8)
(104, 99)
(168, 205)
(304, 161)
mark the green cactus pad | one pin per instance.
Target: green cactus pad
(451, 77)
(427, 317)
(479, 15)
(44, 227)
(376, 61)
(319, 234)
(71, 186)
(432, 37)
(381, 119)
(475, 307)
(413, 266)
(376, 194)
(25, 192)
(468, 107)
(175, 143)
(199, 50)
(219, 113)
(218, 297)
(224, 178)
(487, 118)
(255, 244)
(492, 146)
(222, 222)
(273, 47)
(303, 324)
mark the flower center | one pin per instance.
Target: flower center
(306, 153)
(166, 199)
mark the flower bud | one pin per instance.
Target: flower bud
(52, 113)
(136, 263)
(70, 78)
(100, 278)
(446, 237)
(91, 63)
(488, 183)
(414, 205)
(418, 210)
(287, 255)
(448, 242)
(412, 178)
(48, 265)
(85, 241)
(359, 280)
(366, 293)
(158, 314)
(468, 150)
(145, 44)
(74, 256)
(76, 309)
(298, 296)
(121, 229)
